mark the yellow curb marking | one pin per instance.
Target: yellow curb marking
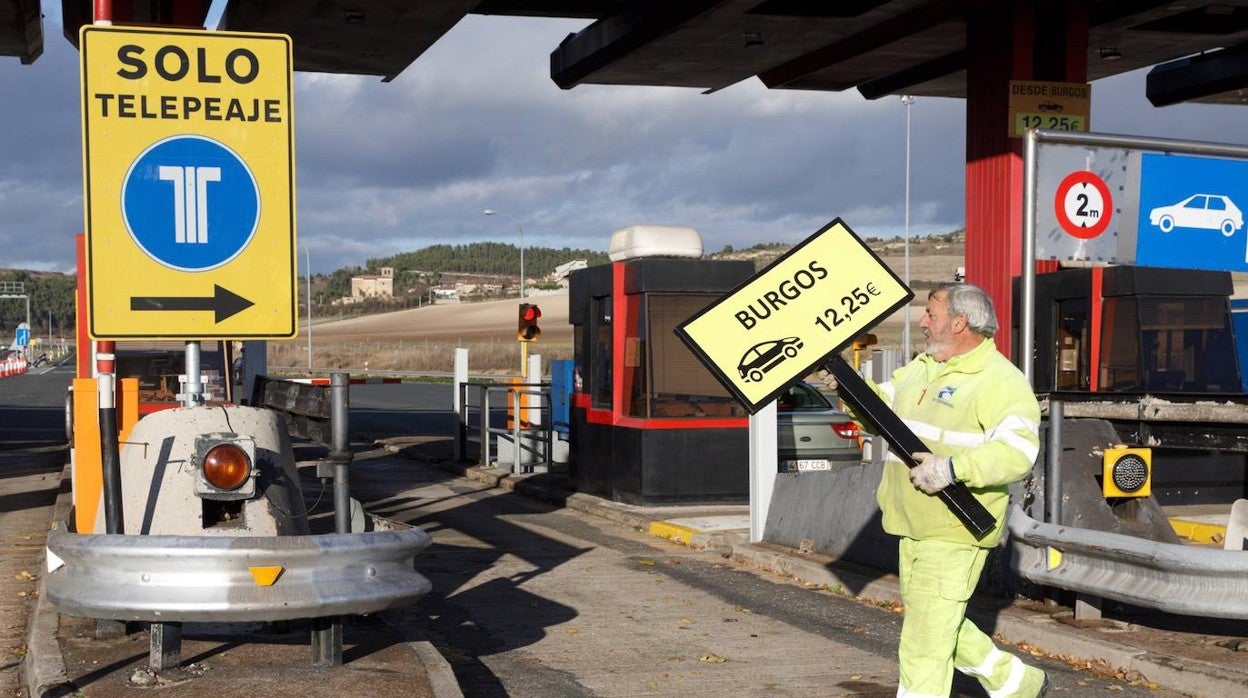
(1199, 531)
(671, 531)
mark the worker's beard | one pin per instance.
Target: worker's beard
(937, 347)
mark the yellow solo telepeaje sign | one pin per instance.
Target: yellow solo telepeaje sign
(779, 325)
(189, 196)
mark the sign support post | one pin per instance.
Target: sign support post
(854, 390)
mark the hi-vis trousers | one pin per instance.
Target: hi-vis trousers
(937, 579)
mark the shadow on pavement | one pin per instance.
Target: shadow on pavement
(476, 535)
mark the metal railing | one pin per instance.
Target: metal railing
(1166, 576)
(533, 440)
(167, 578)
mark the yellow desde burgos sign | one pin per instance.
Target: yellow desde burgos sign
(778, 326)
(188, 163)
(1056, 106)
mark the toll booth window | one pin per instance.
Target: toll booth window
(676, 385)
(1186, 345)
(1120, 345)
(1168, 344)
(600, 353)
(1071, 370)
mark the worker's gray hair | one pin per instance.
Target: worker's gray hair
(971, 302)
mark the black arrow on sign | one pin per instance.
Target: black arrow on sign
(222, 302)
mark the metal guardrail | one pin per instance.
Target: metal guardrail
(324, 371)
(299, 370)
(165, 579)
(1166, 576)
(523, 439)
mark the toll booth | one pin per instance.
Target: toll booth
(1113, 335)
(649, 423)
(1134, 329)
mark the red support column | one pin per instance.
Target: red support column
(999, 48)
(1004, 42)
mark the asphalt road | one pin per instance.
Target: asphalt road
(381, 410)
(532, 599)
(32, 454)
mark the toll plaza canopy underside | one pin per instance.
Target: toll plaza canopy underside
(879, 47)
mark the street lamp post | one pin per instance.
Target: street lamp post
(907, 100)
(492, 212)
(307, 268)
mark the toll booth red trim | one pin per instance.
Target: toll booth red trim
(649, 422)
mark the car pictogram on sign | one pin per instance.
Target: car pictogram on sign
(764, 356)
(1207, 211)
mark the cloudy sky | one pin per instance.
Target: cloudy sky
(477, 123)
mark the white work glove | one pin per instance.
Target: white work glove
(933, 473)
(827, 379)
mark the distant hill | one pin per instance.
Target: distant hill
(424, 267)
(485, 258)
(933, 258)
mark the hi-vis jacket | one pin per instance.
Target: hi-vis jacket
(977, 408)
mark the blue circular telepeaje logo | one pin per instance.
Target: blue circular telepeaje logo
(190, 203)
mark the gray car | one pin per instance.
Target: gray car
(812, 433)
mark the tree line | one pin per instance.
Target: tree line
(51, 300)
(420, 269)
(485, 258)
(52, 294)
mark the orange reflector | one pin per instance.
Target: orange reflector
(226, 466)
(265, 576)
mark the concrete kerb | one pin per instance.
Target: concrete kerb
(441, 677)
(44, 667)
(1013, 626)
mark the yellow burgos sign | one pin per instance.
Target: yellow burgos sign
(778, 326)
(188, 158)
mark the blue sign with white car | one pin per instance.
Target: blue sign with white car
(1191, 213)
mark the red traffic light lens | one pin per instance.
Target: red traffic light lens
(226, 466)
(530, 313)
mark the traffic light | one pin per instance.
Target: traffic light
(527, 330)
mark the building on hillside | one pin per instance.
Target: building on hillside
(380, 285)
(446, 291)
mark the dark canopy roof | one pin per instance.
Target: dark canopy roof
(879, 47)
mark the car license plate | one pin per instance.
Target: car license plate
(805, 465)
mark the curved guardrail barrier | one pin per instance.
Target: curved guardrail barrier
(1169, 577)
(163, 578)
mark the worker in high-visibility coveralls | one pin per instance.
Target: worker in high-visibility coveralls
(980, 419)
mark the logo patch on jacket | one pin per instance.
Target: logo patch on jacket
(945, 396)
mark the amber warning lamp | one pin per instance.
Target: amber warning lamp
(527, 330)
(225, 466)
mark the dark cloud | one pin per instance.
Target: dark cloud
(477, 123)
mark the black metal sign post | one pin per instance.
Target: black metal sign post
(854, 390)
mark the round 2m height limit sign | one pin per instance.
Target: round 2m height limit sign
(1083, 205)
